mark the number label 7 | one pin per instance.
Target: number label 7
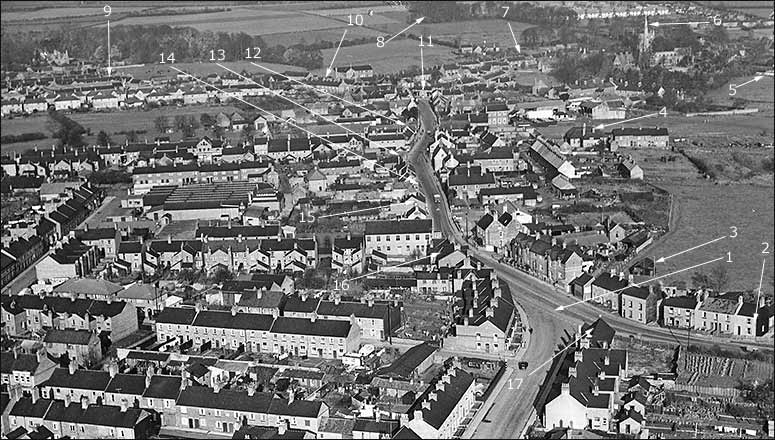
(506, 10)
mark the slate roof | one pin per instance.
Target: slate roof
(80, 379)
(176, 315)
(637, 292)
(303, 326)
(378, 310)
(25, 408)
(22, 362)
(225, 319)
(382, 227)
(127, 384)
(404, 365)
(104, 415)
(445, 401)
(68, 336)
(163, 387)
(601, 332)
(296, 303)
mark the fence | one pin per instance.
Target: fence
(493, 383)
(730, 393)
(741, 111)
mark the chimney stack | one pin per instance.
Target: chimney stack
(84, 402)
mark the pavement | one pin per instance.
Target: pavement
(514, 408)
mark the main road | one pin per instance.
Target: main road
(513, 405)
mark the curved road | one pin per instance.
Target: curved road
(513, 407)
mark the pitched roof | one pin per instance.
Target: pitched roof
(382, 227)
(176, 315)
(303, 326)
(446, 400)
(80, 379)
(404, 365)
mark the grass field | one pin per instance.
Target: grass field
(475, 31)
(112, 122)
(759, 94)
(706, 211)
(395, 56)
(200, 69)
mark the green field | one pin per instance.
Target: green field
(760, 94)
(706, 211)
(475, 31)
(200, 69)
(395, 56)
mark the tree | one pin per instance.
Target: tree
(179, 122)
(206, 120)
(161, 123)
(700, 280)
(247, 132)
(103, 138)
(222, 275)
(719, 278)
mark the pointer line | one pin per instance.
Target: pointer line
(759, 292)
(333, 96)
(386, 268)
(315, 114)
(330, 68)
(418, 21)
(572, 344)
(690, 249)
(560, 308)
(361, 210)
(755, 79)
(602, 126)
(271, 114)
(512, 34)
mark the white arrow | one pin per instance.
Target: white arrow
(572, 344)
(662, 112)
(110, 69)
(516, 45)
(399, 122)
(279, 95)
(759, 292)
(422, 69)
(361, 210)
(658, 24)
(662, 260)
(389, 267)
(418, 21)
(331, 66)
(561, 308)
(754, 79)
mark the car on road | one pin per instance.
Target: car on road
(522, 365)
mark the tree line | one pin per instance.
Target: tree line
(144, 44)
(535, 13)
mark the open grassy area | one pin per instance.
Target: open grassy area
(646, 358)
(395, 56)
(759, 94)
(475, 31)
(706, 211)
